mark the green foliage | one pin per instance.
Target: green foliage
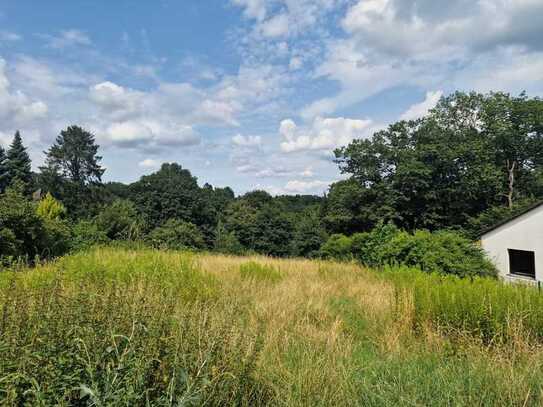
(259, 272)
(20, 226)
(120, 221)
(51, 209)
(442, 170)
(226, 242)
(338, 247)
(177, 234)
(239, 219)
(86, 234)
(444, 252)
(170, 193)
(4, 174)
(494, 215)
(439, 252)
(18, 163)
(309, 234)
(273, 232)
(57, 239)
(74, 157)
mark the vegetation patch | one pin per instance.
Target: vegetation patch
(259, 272)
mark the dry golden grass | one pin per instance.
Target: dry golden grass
(250, 331)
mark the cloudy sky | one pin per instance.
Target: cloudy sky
(250, 93)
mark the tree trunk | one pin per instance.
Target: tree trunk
(511, 171)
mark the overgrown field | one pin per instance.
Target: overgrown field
(142, 327)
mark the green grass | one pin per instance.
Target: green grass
(122, 326)
(259, 272)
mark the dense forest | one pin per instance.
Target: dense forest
(473, 160)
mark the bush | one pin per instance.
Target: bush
(227, 242)
(22, 230)
(120, 221)
(50, 208)
(86, 234)
(338, 247)
(57, 238)
(177, 234)
(438, 252)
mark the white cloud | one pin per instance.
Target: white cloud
(149, 163)
(129, 133)
(246, 141)
(421, 109)
(307, 172)
(276, 26)
(116, 100)
(390, 43)
(252, 8)
(16, 108)
(67, 38)
(324, 134)
(8, 36)
(297, 186)
(295, 63)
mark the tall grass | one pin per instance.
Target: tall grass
(125, 326)
(481, 307)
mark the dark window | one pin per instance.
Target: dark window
(522, 263)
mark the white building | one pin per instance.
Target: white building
(516, 246)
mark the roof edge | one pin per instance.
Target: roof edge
(529, 208)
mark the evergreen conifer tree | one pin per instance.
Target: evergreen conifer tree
(3, 170)
(18, 162)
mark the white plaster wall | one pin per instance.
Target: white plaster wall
(522, 233)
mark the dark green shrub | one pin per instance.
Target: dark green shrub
(22, 230)
(177, 234)
(444, 252)
(120, 221)
(57, 237)
(440, 252)
(338, 247)
(86, 234)
(227, 242)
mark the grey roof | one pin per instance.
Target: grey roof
(509, 219)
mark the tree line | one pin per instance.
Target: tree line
(473, 160)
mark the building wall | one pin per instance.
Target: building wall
(522, 233)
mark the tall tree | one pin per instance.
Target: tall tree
(18, 162)
(170, 193)
(74, 156)
(472, 152)
(4, 176)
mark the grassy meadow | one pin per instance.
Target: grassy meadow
(119, 326)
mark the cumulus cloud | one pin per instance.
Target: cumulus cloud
(149, 163)
(324, 134)
(421, 109)
(390, 43)
(276, 26)
(67, 38)
(302, 187)
(246, 141)
(15, 106)
(252, 8)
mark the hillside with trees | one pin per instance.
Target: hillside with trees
(474, 160)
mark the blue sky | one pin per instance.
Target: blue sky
(250, 93)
